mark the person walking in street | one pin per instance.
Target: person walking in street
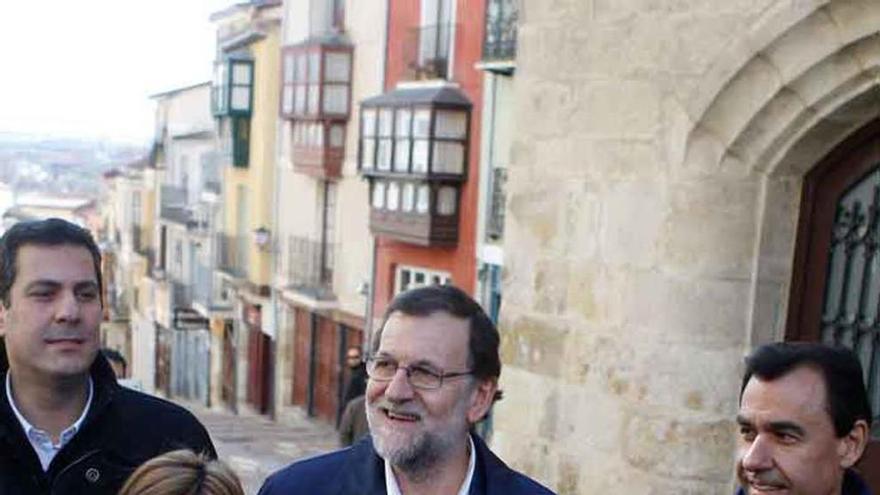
(433, 373)
(804, 421)
(357, 381)
(183, 472)
(66, 426)
(353, 425)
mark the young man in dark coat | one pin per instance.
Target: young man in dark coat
(433, 373)
(66, 426)
(804, 421)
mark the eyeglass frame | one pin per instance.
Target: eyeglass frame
(442, 376)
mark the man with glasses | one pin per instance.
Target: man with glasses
(433, 373)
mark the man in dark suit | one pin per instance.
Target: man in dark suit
(433, 373)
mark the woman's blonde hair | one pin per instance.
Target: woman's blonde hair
(182, 472)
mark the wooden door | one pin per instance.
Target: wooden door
(259, 364)
(326, 369)
(836, 284)
(300, 350)
(227, 390)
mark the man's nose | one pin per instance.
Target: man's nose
(67, 308)
(758, 455)
(399, 389)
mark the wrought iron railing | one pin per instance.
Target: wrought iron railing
(426, 51)
(309, 265)
(172, 195)
(182, 294)
(851, 309)
(497, 199)
(502, 17)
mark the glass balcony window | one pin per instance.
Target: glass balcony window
(408, 196)
(317, 75)
(447, 198)
(233, 86)
(379, 195)
(393, 196)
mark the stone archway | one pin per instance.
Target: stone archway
(814, 81)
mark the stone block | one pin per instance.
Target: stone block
(538, 212)
(752, 87)
(633, 219)
(824, 77)
(555, 11)
(711, 228)
(807, 43)
(680, 448)
(535, 343)
(621, 159)
(669, 310)
(546, 106)
(617, 109)
(781, 207)
(854, 19)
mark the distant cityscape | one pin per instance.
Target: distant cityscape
(46, 173)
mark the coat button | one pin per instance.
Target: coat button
(92, 475)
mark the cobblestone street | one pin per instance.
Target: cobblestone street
(255, 446)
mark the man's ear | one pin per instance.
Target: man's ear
(481, 399)
(852, 445)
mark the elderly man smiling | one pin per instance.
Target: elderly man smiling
(804, 421)
(433, 374)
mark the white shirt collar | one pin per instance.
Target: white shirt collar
(39, 439)
(391, 487)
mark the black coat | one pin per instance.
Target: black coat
(122, 430)
(358, 470)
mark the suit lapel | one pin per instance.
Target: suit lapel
(364, 472)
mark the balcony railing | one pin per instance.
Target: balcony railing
(173, 195)
(182, 294)
(497, 198)
(502, 17)
(310, 266)
(232, 255)
(426, 51)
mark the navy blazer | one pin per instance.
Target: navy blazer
(358, 470)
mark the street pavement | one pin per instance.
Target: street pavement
(255, 446)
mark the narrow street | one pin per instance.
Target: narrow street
(255, 446)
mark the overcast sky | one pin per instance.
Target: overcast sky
(87, 67)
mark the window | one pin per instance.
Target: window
(423, 200)
(393, 200)
(411, 277)
(407, 202)
(446, 200)
(379, 195)
(316, 80)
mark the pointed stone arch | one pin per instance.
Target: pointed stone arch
(777, 101)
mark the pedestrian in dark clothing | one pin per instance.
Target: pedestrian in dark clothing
(357, 381)
(804, 421)
(353, 425)
(66, 426)
(433, 373)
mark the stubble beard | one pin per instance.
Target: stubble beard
(415, 455)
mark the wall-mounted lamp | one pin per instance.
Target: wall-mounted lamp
(261, 237)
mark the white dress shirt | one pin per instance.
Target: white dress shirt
(40, 440)
(391, 487)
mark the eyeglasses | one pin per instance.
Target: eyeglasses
(383, 369)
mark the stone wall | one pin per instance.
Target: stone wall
(653, 197)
